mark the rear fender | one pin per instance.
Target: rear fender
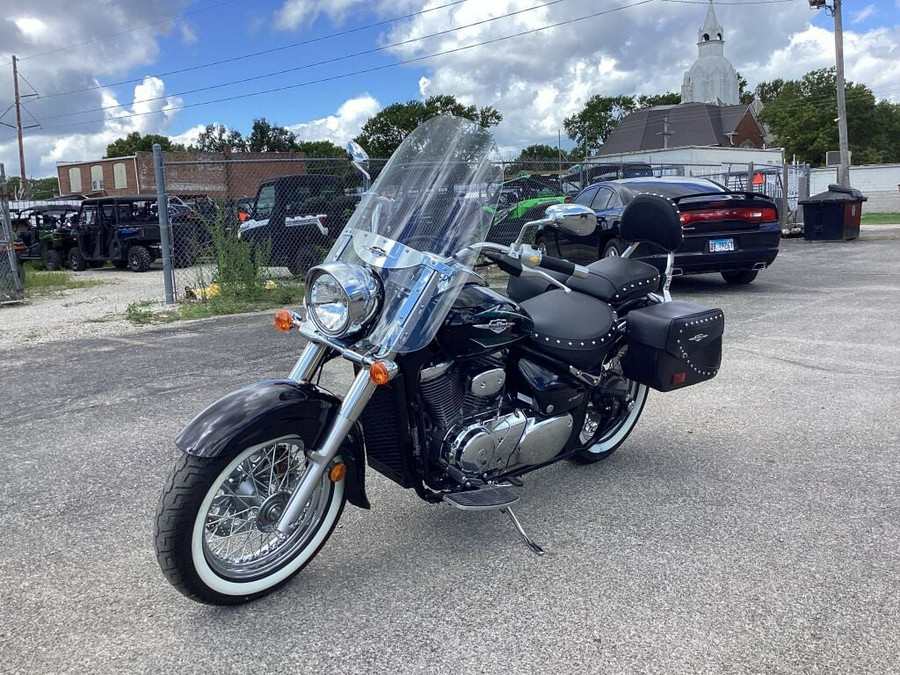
(272, 409)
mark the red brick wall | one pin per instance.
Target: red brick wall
(748, 130)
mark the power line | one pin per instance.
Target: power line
(125, 32)
(311, 65)
(359, 72)
(265, 52)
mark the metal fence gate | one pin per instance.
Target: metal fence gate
(12, 272)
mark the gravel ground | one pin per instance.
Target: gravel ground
(81, 312)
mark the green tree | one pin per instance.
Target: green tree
(135, 142)
(217, 137)
(648, 101)
(320, 149)
(38, 188)
(600, 115)
(801, 116)
(540, 157)
(385, 131)
(268, 137)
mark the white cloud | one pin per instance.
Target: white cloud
(342, 126)
(863, 14)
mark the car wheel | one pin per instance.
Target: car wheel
(51, 259)
(139, 259)
(76, 261)
(614, 248)
(541, 245)
(739, 277)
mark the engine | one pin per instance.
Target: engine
(476, 428)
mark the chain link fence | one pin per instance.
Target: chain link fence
(12, 271)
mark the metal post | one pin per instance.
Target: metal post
(6, 234)
(162, 208)
(844, 146)
(785, 206)
(18, 102)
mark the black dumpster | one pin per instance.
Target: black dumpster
(833, 214)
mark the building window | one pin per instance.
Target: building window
(96, 177)
(75, 179)
(119, 176)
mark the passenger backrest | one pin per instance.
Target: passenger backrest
(652, 219)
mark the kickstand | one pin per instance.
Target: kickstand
(528, 540)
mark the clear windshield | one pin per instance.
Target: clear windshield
(434, 198)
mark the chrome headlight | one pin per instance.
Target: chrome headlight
(341, 298)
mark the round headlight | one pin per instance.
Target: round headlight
(341, 298)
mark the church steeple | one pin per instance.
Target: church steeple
(712, 31)
(711, 79)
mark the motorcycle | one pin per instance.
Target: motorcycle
(459, 390)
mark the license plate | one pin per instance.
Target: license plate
(721, 245)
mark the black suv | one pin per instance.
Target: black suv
(46, 233)
(125, 231)
(298, 218)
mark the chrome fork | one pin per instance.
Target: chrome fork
(317, 461)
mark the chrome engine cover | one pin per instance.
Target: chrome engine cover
(505, 442)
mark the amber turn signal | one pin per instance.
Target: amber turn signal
(283, 320)
(380, 373)
(338, 471)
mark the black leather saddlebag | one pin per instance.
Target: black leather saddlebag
(673, 344)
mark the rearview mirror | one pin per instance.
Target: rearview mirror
(357, 154)
(573, 219)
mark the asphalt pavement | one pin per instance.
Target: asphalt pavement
(749, 525)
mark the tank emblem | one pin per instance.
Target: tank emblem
(496, 325)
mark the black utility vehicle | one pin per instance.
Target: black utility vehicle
(298, 218)
(46, 233)
(125, 231)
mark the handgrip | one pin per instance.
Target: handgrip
(509, 265)
(557, 265)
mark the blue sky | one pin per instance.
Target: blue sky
(110, 67)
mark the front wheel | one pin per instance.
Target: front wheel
(215, 522)
(139, 259)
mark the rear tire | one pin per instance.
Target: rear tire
(610, 419)
(740, 277)
(51, 259)
(139, 259)
(215, 539)
(76, 261)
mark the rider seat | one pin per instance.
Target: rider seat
(572, 327)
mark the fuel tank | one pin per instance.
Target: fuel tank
(481, 321)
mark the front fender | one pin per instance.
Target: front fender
(270, 409)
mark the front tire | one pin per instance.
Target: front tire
(614, 248)
(76, 260)
(215, 538)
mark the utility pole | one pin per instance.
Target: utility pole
(24, 179)
(843, 173)
(665, 133)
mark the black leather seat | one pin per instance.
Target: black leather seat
(572, 327)
(617, 280)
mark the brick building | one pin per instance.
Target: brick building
(216, 174)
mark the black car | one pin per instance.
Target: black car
(735, 234)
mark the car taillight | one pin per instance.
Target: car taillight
(745, 213)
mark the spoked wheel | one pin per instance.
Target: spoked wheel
(612, 414)
(216, 540)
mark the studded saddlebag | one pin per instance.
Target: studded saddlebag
(673, 344)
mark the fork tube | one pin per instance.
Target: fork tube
(309, 362)
(351, 408)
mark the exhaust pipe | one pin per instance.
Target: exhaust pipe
(759, 266)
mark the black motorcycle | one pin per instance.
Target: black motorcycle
(459, 391)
